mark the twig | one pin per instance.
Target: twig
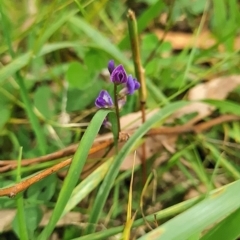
(19, 187)
(103, 142)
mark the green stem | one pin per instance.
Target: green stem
(20, 204)
(117, 108)
(139, 71)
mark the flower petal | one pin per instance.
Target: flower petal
(130, 85)
(104, 100)
(137, 84)
(119, 76)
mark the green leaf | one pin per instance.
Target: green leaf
(44, 189)
(43, 101)
(212, 209)
(228, 229)
(78, 75)
(80, 99)
(33, 216)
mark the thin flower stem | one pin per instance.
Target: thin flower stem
(117, 108)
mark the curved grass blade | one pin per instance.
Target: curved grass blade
(14, 66)
(74, 171)
(219, 204)
(100, 40)
(114, 169)
(225, 106)
(23, 60)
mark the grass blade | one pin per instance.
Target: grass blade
(87, 185)
(165, 213)
(100, 40)
(20, 207)
(114, 169)
(74, 171)
(216, 206)
(228, 229)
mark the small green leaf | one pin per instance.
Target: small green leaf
(78, 75)
(33, 216)
(44, 189)
(43, 101)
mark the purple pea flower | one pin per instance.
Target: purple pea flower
(111, 66)
(118, 75)
(104, 100)
(132, 85)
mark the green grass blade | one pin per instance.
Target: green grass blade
(23, 60)
(228, 229)
(216, 206)
(20, 206)
(51, 47)
(31, 115)
(225, 106)
(51, 29)
(14, 66)
(222, 161)
(114, 169)
(165, 213)
(87, 185)
(100, 40)
(74, 171)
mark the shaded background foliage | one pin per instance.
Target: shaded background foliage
(58, 52)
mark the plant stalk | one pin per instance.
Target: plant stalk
(139, 72)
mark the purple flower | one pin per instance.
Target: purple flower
(118, 75)
(132, 85)
(111, 66)
(104, 100)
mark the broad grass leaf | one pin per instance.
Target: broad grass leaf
(219, 204)
(227, 229)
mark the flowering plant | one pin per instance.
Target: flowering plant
(118, 77)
